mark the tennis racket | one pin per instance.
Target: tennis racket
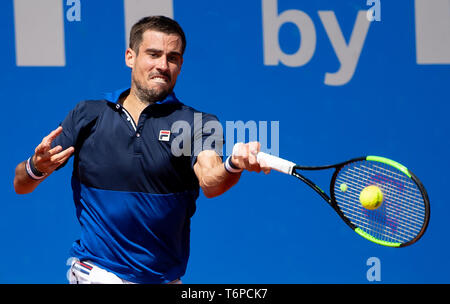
(404, 213)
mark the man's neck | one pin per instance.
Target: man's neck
(134, 105)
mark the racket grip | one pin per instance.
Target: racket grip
(276, 163)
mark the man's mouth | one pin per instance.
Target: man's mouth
(159, 79)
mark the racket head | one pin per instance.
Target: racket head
(403, 216)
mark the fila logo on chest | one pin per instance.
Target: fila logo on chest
(164, 135)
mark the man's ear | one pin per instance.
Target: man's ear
(130, 56)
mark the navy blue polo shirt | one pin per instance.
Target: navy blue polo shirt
(134, 193)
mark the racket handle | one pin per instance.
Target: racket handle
(276, 163)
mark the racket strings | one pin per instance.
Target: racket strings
(389, 211)
(398, 237)
(414, 211)
(409, 184)
(384, 219)
(413, 217)
(400, 217)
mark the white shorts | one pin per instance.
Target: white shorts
(85, 272)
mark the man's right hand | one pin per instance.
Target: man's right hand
(47, 159)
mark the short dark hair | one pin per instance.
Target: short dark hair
(157, 23)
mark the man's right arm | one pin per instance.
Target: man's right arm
(45, 160)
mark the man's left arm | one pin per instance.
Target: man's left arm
(215, 178)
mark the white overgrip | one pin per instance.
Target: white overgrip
(276, 163)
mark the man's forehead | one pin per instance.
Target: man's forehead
(152, 38)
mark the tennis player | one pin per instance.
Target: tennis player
(134, 198)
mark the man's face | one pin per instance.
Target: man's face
(156, 67)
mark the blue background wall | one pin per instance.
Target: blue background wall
(267, 229)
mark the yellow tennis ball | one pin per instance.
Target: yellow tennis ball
(371, 197)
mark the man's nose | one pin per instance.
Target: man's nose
(162, 63)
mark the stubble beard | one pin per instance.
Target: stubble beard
(149, 95)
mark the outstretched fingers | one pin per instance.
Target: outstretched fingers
(46, 143)
(60, 158)
(46, 159)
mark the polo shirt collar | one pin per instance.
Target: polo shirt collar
(114, 96)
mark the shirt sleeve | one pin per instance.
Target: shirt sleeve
(207, 135)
